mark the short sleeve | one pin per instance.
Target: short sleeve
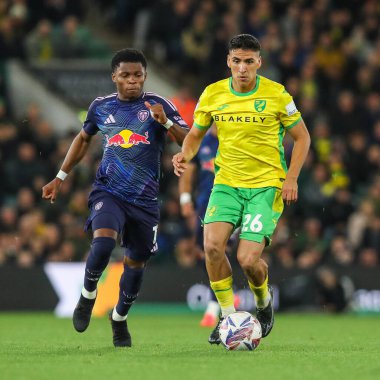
(289, 114)
(89, 125)
(171, 111)
(202, 116)
(173, 114)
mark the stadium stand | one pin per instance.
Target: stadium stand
(326, 52)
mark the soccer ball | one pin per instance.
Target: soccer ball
(240, 331)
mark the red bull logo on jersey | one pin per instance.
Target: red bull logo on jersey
(127, 139)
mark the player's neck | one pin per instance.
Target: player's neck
(243, 87)
(124, 98)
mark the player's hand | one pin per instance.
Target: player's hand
(179, 164)
(290, 190)
(157, 112)
(50, 191)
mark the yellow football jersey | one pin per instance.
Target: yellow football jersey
(251, 127)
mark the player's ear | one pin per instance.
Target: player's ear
(113, 77)
(228, 61)
(259, 62)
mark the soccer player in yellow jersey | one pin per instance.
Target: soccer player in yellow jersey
(252, 181)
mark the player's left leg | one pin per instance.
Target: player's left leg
(261, 213)
(130, 284)
(256, 271)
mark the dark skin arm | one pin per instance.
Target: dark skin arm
(175, 131)
(76, 152)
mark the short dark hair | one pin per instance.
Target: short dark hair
(128, 55)
(245, 42)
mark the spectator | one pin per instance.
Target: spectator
(71, 40)
(196, 44)
(39, 43)
(332, 296)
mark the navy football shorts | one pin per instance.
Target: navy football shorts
(137, 226)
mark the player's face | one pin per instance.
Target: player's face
(243, 65)
(129, 78)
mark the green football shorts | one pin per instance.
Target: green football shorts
(257, 211)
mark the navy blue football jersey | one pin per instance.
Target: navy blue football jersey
(133, 143)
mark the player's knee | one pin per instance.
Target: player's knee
(133, 263)
(102, 247)
(249, 261)
(213, 250)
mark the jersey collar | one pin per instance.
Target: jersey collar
(245, 93)
(141, 96)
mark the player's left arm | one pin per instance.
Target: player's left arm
(301, 139)
(177, 132)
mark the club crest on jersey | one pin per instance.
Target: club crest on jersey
(143, 115)
(260, 105)
(211, 211)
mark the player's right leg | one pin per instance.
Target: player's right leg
(130, 284)
(105, 220)
(219, 271)
(103, 243)
(222, 215)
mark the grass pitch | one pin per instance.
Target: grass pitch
(169, 344)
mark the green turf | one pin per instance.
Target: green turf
(169, 345)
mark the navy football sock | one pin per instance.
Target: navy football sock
(101, 249)
(130, 284)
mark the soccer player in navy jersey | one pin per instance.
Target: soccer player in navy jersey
(123, 200)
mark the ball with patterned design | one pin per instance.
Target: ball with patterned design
(240, 331)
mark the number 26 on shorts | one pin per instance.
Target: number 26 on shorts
(255, 225)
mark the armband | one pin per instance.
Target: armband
(168, 124)
(61, 175)
(184, 198)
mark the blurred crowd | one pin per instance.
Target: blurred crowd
(42, 30)
(325, 52)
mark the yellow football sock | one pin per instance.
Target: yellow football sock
(261, 293)
(224, 294)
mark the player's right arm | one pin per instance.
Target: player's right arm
(190, 148)
(74, 155)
